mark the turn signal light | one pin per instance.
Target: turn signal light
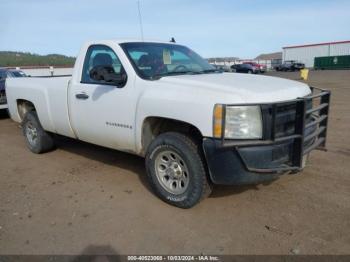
(217, 121)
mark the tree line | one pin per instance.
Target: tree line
(18, 59)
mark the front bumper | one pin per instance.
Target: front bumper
(257, 161)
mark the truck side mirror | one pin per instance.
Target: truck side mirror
(107, 75)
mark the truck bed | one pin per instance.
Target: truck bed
(49, 94)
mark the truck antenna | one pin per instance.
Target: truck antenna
(140, 19)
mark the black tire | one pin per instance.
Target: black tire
(43, 141)
(250, 72)
(198, 186)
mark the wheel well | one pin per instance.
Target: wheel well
(24, 106)
(154, 126)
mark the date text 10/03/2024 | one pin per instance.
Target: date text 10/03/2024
(174, 258)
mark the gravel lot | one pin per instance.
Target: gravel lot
(86, 199)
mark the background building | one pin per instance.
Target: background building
(307, 53)
(270, 60)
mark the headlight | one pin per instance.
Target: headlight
(241, 122)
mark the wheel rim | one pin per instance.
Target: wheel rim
(172, 172)
(31, 134)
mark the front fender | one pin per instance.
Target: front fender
(169, 105)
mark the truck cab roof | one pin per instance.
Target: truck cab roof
(127, 40)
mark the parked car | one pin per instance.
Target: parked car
(193, 125)
(222, 68)
(5, 73)
(245, 68)
(262, 68)
(290, 66)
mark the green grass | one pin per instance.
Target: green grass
(13, 59)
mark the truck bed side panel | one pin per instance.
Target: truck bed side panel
(49, 96)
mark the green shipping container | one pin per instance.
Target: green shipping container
(332, 62)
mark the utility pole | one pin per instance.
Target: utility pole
(140, 19)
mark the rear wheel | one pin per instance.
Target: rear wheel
(176, 170)
(38, 140)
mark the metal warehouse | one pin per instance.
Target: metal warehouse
(307, 53)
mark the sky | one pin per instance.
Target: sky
(213, 28)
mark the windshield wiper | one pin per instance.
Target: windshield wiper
(189, 72)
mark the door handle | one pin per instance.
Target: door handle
(82, 96)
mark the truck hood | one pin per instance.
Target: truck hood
(240, 88)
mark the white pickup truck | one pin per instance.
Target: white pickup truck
(195, 126)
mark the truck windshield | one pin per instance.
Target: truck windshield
(155, 60)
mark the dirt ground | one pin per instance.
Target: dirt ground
(86, 199)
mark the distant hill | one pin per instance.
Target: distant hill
(11, 59)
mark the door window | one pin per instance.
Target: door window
(100, 55)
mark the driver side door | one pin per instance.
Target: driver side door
(103, 113)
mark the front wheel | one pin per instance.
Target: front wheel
(38, 140)
(176, 170)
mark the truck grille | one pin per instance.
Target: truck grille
(299, 126)
(3, 99)
(302, 121)
(285, 120)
